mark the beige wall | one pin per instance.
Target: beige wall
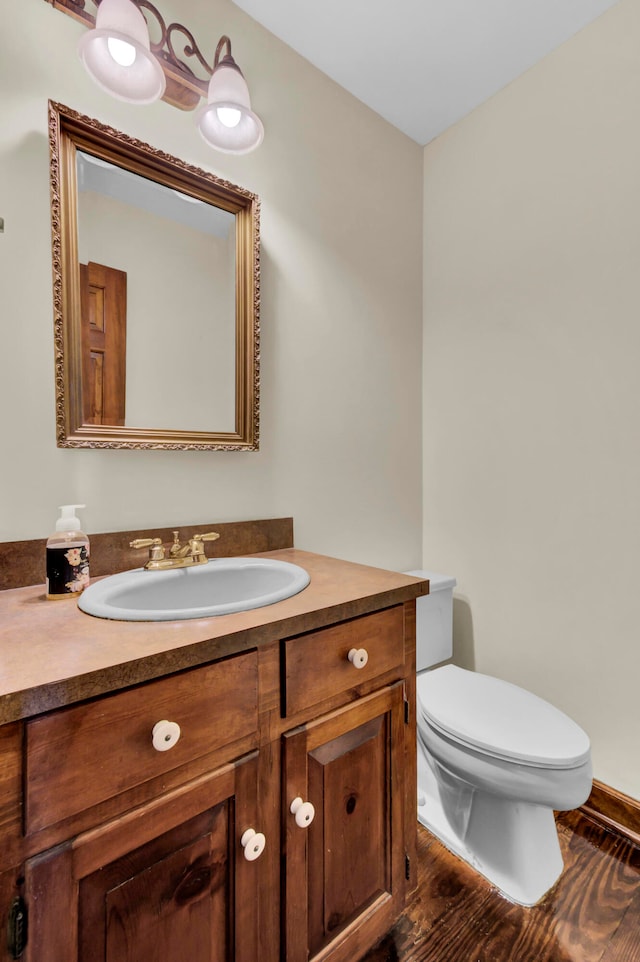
(532, 383)
(531, 399)
(341, 196)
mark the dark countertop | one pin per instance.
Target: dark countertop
(52, 654)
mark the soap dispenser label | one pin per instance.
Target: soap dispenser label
(67, 570)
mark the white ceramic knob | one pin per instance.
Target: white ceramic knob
(253, 844)
(303, 811)
(358, 657)
(165, 735)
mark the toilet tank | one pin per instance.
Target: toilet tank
(434, 620)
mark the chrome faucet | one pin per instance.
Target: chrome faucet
(180, 556)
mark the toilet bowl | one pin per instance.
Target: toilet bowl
(494, 762)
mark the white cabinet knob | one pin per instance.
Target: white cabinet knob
(303, 811)
(358, 657)
(253, 844)
(165, 735)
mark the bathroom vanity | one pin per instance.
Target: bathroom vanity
(280, 821)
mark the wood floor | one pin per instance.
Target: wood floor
(591, 915)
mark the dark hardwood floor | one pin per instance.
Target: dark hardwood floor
(592, 914)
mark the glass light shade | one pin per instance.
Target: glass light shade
(141, 82)
(228, 100)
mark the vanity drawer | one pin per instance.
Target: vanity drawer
(317, 665)
(79, 756)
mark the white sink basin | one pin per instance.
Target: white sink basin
(220, 587)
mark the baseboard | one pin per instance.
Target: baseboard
(616, 811)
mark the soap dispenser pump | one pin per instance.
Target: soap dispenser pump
(67, 556)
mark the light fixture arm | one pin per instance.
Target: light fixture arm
(184, 87)
(227, 60)
(191, 49)
(222, 42)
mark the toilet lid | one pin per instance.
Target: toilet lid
(499, 718)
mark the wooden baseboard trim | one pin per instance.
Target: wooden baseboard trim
(618, 812)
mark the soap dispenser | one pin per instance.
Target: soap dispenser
(67, 556)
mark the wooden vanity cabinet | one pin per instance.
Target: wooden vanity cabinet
(346, 864)
(168, 881)
(345, 871)
(124, 853)
(164, 880)
(87, 754)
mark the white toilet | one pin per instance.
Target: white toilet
(494, 761)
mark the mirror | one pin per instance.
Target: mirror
(156, 296)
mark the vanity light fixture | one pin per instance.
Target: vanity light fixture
(117, 54)
(227, 121)
(122, 59)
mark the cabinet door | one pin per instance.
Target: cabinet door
(344, 872)
(165, 883)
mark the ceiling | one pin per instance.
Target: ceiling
(424, 64)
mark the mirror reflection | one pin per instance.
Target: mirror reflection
(156, 291)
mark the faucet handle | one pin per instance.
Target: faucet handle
(197, 547)
(156, 550)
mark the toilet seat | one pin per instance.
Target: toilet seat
(499, 719)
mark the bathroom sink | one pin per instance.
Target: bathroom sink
(219, 587)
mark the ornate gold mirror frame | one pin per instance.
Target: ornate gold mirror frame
(70, 132)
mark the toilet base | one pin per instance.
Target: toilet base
(513, 844)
